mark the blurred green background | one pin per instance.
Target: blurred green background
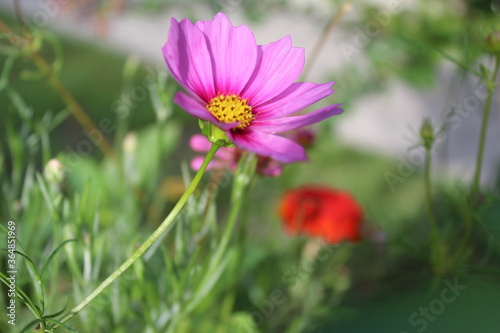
(109, 206)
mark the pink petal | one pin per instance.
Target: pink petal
(278, 66)
(194, 108)
(233, 51)
(188, 58)
(226, 153)
(197, 161)
(199, 143)
(265, 144)
(289, 123)
(297, 97)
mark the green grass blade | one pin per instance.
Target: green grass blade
(51, 256)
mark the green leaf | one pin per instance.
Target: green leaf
(7, 67)
(208, 282)
(23, 297)
(51, 256)
(61, 324)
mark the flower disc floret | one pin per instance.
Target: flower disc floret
(231, 109)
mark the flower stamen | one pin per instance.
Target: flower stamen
(231, 109)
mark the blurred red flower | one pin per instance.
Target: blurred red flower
(323, 212)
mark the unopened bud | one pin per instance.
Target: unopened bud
(53, 172)
(427, 134)
(493, 42)
(130, 143)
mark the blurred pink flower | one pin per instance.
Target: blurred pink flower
(227, 158)
(246, 90)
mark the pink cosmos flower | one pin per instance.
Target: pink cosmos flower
(246, 90)
(228, 157)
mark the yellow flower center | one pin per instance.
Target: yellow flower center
(230, 109)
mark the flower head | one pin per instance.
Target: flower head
(322, 212)
(244, 89)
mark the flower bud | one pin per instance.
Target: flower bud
(130, 143)
(493, 42)
(53, 172)
(427, 134)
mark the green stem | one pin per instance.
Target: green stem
(435, 239)
(241, 181)
(25, 44)
(334, 21)
(243, 176)
(490, 86)
(228, 304)
(151, 239)
(484, 127)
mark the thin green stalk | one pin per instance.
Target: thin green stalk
(243, 176)
(334, 21)
(435, 239)
(75, 108)
(151, 239)
(25, 43)
(235, 210)
(490, 86)
(230, 298)
(241, 181)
